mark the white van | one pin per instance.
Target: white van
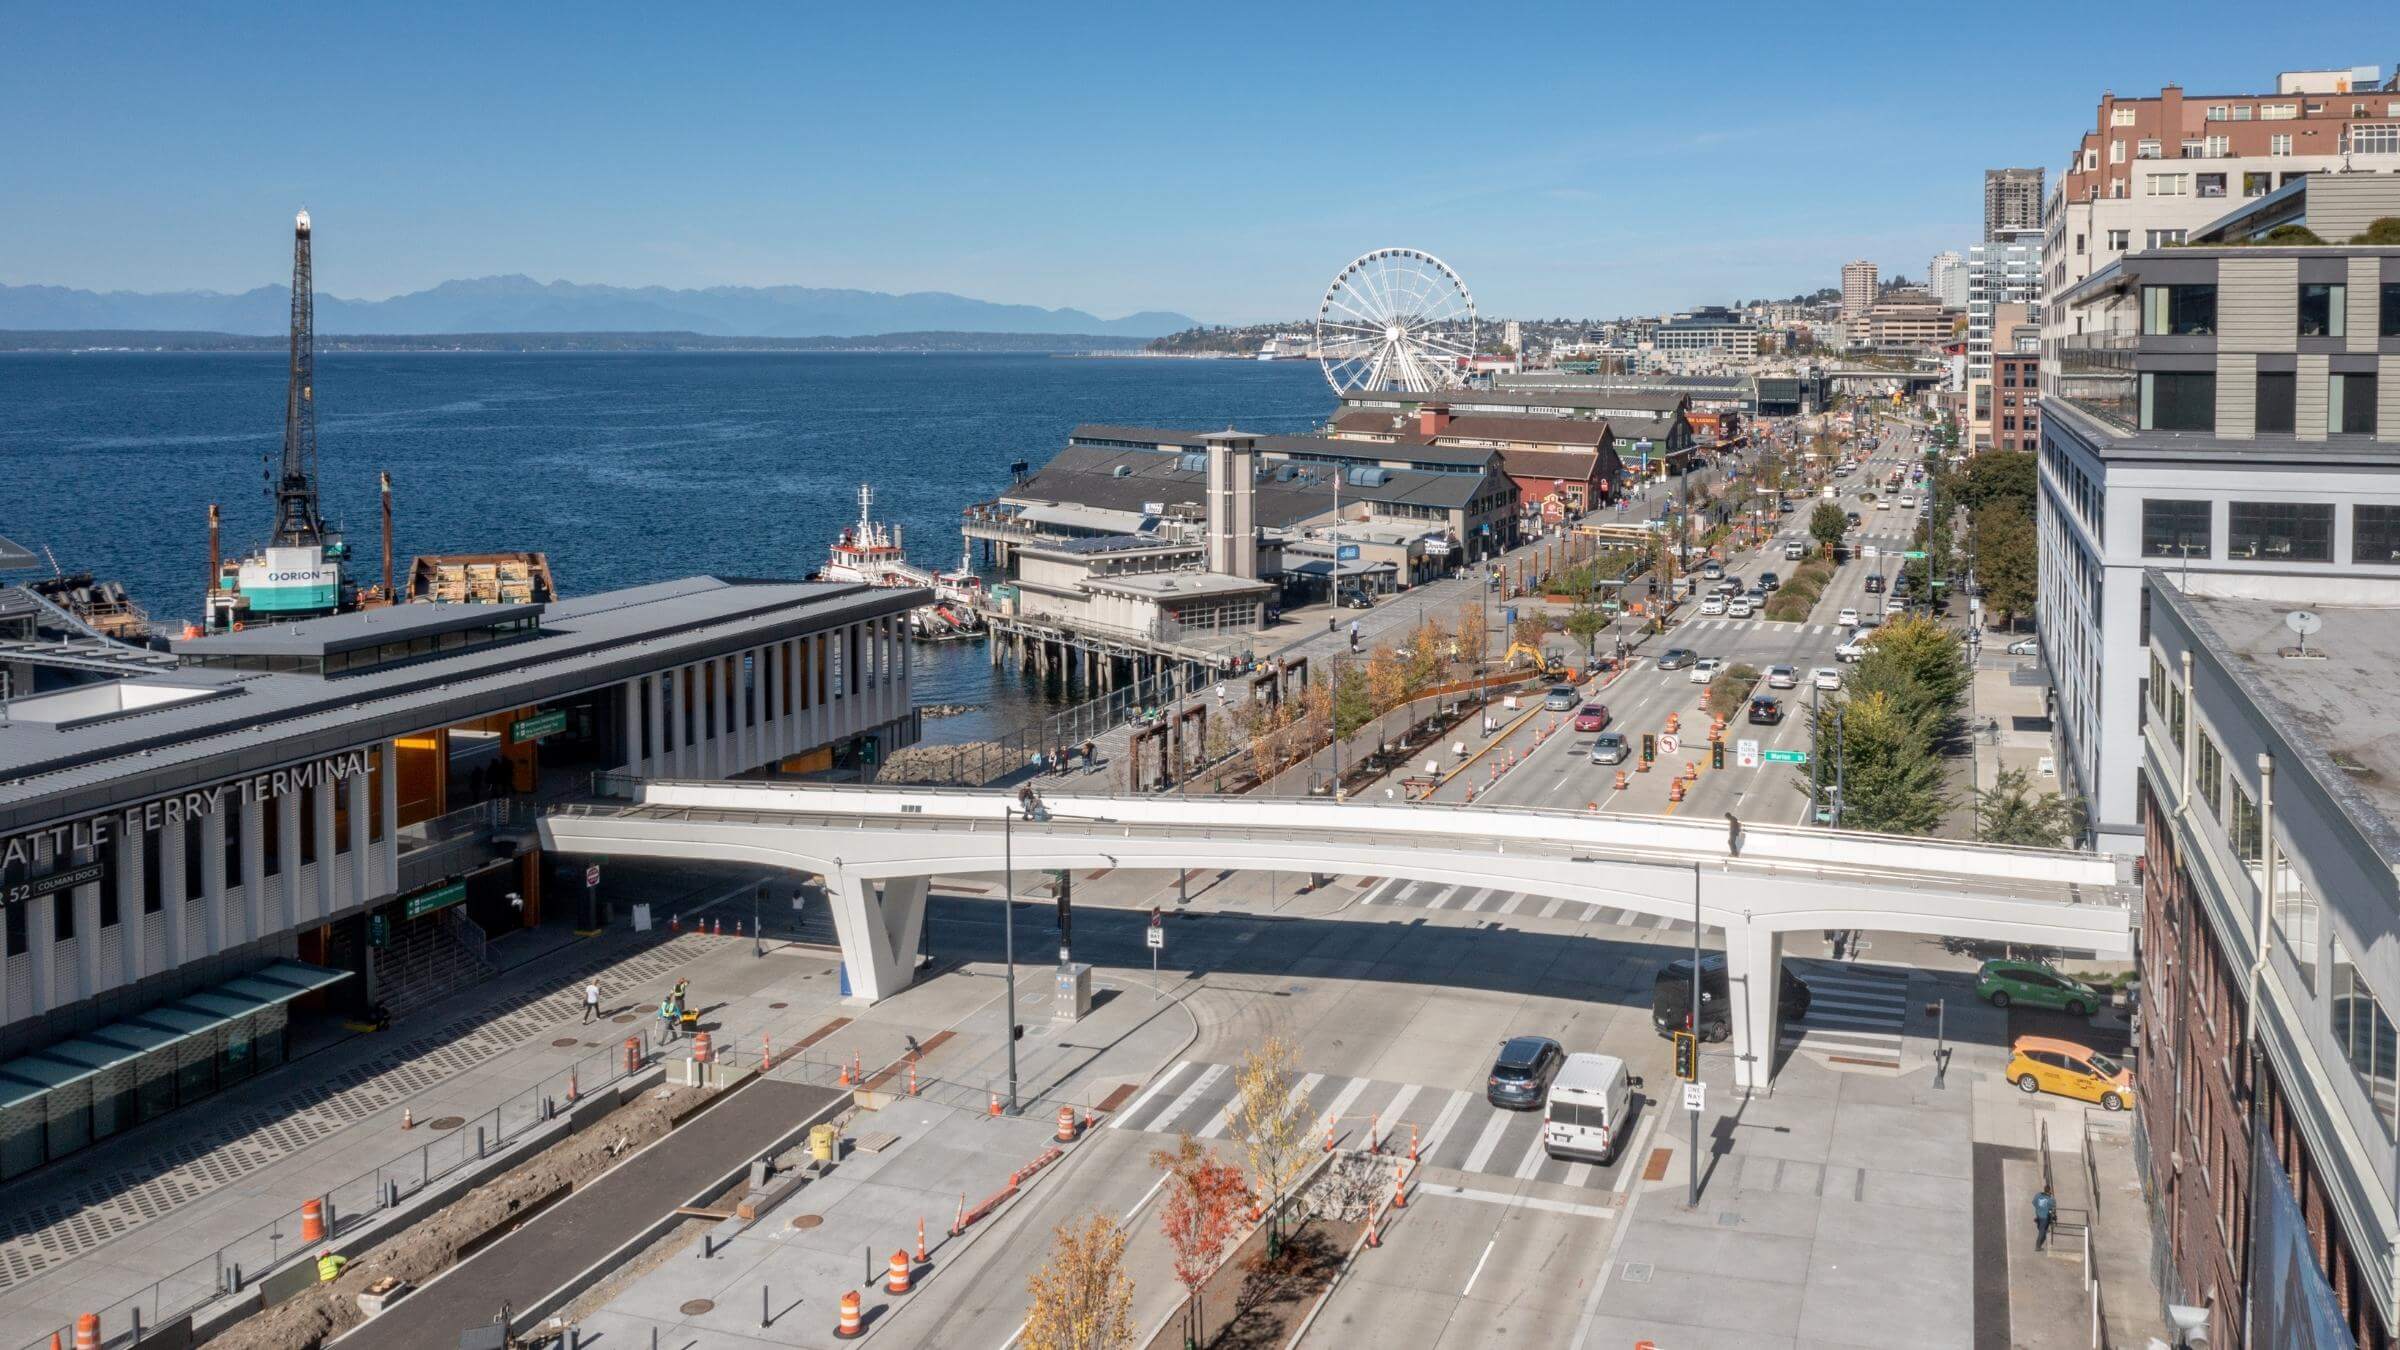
(1591, 1103)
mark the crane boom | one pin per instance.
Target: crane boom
(298, 522)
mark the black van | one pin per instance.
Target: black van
(1671, 998)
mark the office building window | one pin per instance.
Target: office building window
(2375, 534)
(2278, 112)
(2179, 401)
(2120, 117)
(2277, 394)
(2217, 147)
(2209, 185)
(2216, 112)
(2350, 403)
(2367, 1040)
(2120, 240)
(2146, 148)
(2116, 152)
(2171, 528)
(2257, 184)
(2279, 531)
(109, 914)
(62, 915)
(2322, 308)
(2179, 311)
(2389, 322)
(2167, 184)
(16, 930)
(2242, 112)
(2279, 145)
(2165, 238)
(2381, 140)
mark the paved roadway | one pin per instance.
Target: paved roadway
(1557, 771)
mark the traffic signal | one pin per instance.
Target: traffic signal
(1649, 747)
(1687, 1056)
(1716, 754)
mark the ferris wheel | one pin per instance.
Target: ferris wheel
(1397, 318)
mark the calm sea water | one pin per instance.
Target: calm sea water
(623, 468)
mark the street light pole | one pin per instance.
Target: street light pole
(1692, 1190)
(1008, 939)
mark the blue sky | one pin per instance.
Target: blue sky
(1222, 159)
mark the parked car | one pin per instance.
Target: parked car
(1561, 697)
(1521, 1072)
(1593, 717)
(1705, 669)
(1671, 998)
(1848, 618)
(1712, 604)
(1674, 658)
(1610, 748)
(2034, 985)
(1826, 677)
(1782, 677)
(2045, 1064)
(1765, 712)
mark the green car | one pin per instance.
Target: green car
(2001, 983)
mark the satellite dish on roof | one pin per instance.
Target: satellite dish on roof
(2303, 622)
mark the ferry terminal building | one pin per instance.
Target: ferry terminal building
(191, 844)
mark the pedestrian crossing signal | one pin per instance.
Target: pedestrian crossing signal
(1687, 1056)
(379, 930)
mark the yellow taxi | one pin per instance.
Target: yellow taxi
(2045, 1064)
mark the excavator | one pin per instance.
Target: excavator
(1534, 656)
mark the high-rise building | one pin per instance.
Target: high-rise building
(2150, 170)
(2005, 270)
(1858, 288)
(2012, 200)
(1946, 277)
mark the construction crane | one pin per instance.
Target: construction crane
(298, 521)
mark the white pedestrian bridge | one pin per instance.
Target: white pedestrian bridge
(877, 849)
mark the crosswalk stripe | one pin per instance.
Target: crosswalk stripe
(1579, 1174)
(1556, 903)
(1486, 1142)
(1625, 918)
(1513, 901)
(1191, 1095)
(1893, 1008)
(1451, 1111)
(1153, 1090)
(1341, 1104)
(1816, 1013)
(1448, 894)
(1483, 896)
(1395, 1113)
(1534, 1157)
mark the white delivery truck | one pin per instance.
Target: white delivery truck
(1590, 1107)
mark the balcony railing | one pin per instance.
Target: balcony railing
(2096, 373)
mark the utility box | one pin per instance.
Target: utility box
(1074, 992)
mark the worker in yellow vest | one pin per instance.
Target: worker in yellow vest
(329, 1265)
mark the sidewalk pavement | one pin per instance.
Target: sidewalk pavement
(157, 1198)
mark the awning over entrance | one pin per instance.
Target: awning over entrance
(60, 1098)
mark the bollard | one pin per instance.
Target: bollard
(479, 1141)
(849, 1329)
(312, 1221)
(765, 1319)
(897, 1281)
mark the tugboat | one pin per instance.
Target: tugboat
(870, 553)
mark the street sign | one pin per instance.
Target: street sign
(1785, 757)
(591, 875)
(1668, 742)
(1746, 754)
(1695, 1097)
(537, 726)
(1158, 938)
(1345, 553)
(1914, 555)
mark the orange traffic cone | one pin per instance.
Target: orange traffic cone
(312, 1221)
(897, 1281)
(1374, 1239)
(995, 1109)
(920, 1240)
(408, 1118)
(850, 1328)
(1400, 1185)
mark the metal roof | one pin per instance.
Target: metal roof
(15, 556)
(1283, 447)
(266, 720)
(355, 630)
(1086, 476)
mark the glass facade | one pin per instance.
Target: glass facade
(2179, 401)
(2179, 311)
(2375, 534)
(2176, 529)
(2322, 306)
(2280, 531)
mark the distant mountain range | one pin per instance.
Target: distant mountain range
(518, 304)
(145, 340)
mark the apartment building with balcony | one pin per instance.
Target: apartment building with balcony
(2268, 1111)
(2233, 413)
(2153, 169)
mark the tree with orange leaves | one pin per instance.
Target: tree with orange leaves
(1200, 1218)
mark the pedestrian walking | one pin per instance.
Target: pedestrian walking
(2045, 1213)
(591, 1001)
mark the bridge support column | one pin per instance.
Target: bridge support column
(1754, 976)
(879, 925)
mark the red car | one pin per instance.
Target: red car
(1594, 717)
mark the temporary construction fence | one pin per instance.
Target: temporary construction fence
(241, 1263)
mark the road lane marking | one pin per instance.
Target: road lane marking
(1477, 1273)
(1451, 1111)
(1535, 1156)
(1515, 900)
(1118, 1121)
(1507, 1201)
(1556, 902)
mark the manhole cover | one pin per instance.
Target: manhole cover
(697, 1306)
(1636, 1272)
(779, 1005)
(563, 1042)
(446, 1123)
(807, 1220)
(622, 1018)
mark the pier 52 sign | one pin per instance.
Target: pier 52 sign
(22, 854)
